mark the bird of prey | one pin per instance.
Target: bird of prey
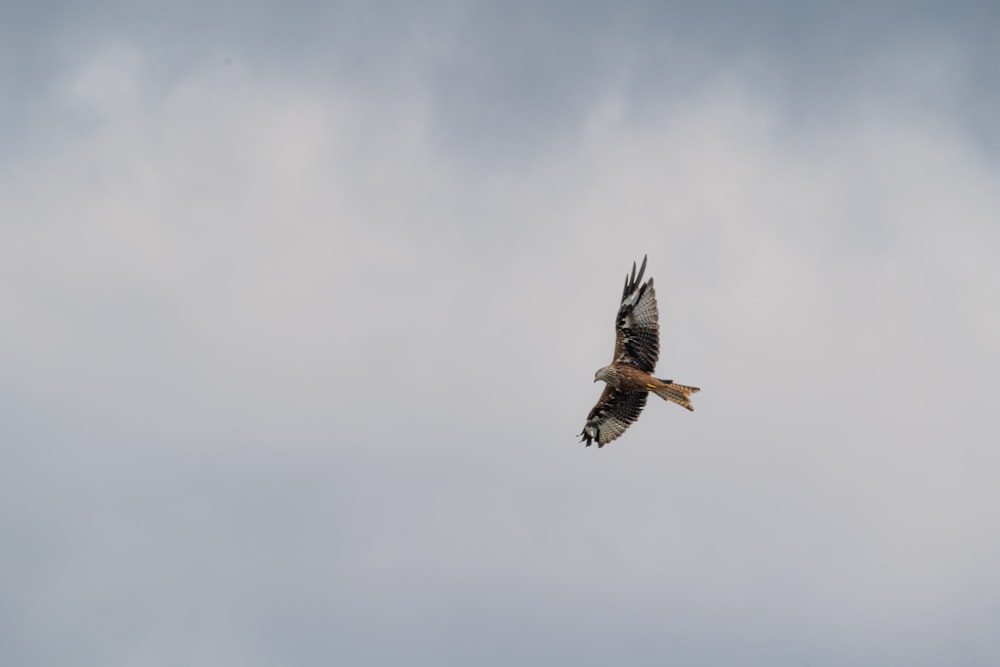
(629, 377)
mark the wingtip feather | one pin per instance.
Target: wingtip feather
(632, 279)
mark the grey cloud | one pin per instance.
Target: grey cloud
(291, 374)
(506, 83)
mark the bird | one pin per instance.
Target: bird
(628, 379)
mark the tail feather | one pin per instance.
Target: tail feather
(676, 393)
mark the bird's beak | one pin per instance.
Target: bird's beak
(595, 379)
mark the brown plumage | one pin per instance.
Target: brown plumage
(629, 378)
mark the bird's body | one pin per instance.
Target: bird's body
(629, 377)
(626, 378)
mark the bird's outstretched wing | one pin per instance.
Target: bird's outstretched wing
(614, 412)
(637, 338)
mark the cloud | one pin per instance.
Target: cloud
(292, 364)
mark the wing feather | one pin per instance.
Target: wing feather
(614, 412)
(637, 329)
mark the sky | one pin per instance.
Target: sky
(300, 305)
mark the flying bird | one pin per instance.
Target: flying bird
(629, 377)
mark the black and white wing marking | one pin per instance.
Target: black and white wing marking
(615, 411)
(637, 329)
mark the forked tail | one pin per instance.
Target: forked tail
(675, 393)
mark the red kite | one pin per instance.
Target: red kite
(628, 378)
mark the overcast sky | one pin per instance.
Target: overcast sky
(300, 305)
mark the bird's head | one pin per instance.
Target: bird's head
(599, 374)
